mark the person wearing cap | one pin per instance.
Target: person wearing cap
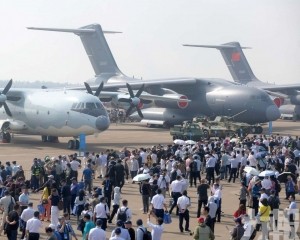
(128, 226)
(202, 231)
(27, 214)
(238, 231)
(124, 232)
(97, 233)
(33, 227)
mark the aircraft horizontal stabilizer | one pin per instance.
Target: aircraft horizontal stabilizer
(223, 46)
(70, 30)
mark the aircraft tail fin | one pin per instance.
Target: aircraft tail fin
(235, 59)
(96, 47)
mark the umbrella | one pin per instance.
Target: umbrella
(266, 173)
(252, 171)
(282, 177)
(141, 177)
(179, 142)
(190, 142)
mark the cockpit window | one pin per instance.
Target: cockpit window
(90, 105)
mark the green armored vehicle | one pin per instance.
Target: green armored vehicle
(224, 127)
(187, 131)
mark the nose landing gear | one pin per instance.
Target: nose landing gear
(73, 144)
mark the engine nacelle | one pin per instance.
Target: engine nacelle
(180, 104)
(295, 99)
(277, 100)
(7, 125)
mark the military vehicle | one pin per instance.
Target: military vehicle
(223, 127)
(187, 131)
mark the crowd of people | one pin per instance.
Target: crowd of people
(258, 166)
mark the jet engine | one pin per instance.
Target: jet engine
(13, 126)
(180, 104)
(277, 100)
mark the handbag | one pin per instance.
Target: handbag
(167, 218)
(60, 205)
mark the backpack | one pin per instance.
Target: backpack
(146, 234)
(122, 215)
(173, 175)
(194, 167)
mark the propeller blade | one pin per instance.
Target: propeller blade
(140, 112)
(7, 109)
(125, 100)
(138, 94)
(130, 90)
(88, 88)
(7, 87)
(99, 89)
(129, 110)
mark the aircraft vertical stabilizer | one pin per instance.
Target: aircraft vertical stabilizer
(96, 48)
(235, 59)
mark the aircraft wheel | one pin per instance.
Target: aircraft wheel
(71, 144)
(6, 137)
(253, 130)
(259, 130)
(77, 144)
(206, 134)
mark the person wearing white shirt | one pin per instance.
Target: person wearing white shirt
(125, 209)
(252, 160)
(158, 204)
(33, 227)
(210, 168)
(101, 211)
(27, 214)
(163, 182)
(102, 164)
(140, 230)
(176, 187)
(143, 155)
(213, 207)
(97, 233)
(124, 232)
(157, 229)
(266, 183)
(75, 165)
(234, 168)
(183, 203)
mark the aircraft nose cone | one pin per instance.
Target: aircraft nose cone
(102, 123)
(272, 113)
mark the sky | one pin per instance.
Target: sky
(153, 32)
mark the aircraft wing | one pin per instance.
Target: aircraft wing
(281, 88)
(146, 96)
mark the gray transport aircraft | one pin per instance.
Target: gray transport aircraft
(51, 113)
(241, 72)
(210, 97)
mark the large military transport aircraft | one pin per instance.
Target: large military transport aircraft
(208, 97)
(241, 72)
(51, 114)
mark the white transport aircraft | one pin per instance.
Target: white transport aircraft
(51, 113)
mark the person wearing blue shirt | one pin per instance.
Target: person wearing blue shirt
(87, 176)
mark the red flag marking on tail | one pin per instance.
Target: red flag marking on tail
(235, 57)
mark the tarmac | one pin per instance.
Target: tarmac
(132, 135)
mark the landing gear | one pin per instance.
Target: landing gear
(52, 139)
(73, 144)
(6, 137)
